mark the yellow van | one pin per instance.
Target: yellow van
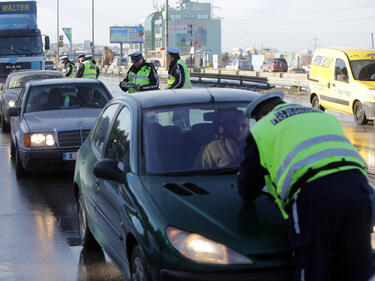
(344, 80)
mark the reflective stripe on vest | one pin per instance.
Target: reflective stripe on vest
(90, 70)
(140, 78)
(73, 71)
(293, 140)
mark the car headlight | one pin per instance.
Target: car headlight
(202, 249)
(371, 93)
(11, 103)
(42, 139)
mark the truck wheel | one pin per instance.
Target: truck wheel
(138, 266)
(87, 239)
(316, 104)
(4, 125)
(20, 171)
(359, 114)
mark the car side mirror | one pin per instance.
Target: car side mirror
(14, 111)
(108, 170)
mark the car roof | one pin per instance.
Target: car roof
(161, 98)
(55, 81)
(32, 71)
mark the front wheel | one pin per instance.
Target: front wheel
(88, 241)
(316, 104)
(139, 266)
(20, 171)
(359, 114)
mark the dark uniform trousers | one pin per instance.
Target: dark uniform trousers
(330, 228)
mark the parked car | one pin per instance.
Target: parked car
(239, 64)
(50, 121)
(14, 84)
(157, 214)
(156, 63)
(119, 62)
(49, 65)
(275, 65)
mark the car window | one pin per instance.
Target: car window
(66, 96)
(101, 127)
(244, 64)
(118, 147)
(18, 81)
(21, 97)
(341, 71)
(363, 70)
(194, 138)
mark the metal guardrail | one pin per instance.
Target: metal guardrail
(241, 78)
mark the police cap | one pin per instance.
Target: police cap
(252, 107)
(82, 56)
(89, 56)
(64, 58)
(136, 56)
(173, 50)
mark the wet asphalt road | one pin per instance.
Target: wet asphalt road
(38, 226)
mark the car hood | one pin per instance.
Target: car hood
(66, 119)
(14, 93)
(212, 207)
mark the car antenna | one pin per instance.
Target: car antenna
(212, 98)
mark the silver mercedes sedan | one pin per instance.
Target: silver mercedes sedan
(51, 120)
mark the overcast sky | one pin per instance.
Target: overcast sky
(288, 25)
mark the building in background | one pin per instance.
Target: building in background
(191, 28)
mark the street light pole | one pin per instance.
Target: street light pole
(92, 31)
(166, 34)
(57, 33)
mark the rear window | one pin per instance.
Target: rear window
(244, 64)
(280, 60)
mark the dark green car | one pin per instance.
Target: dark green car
(155, 183)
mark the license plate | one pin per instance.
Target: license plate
(69, 155)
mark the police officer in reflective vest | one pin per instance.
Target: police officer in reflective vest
(68, 66)
(142, 75)
(319, 182)
(178, 73)
(79, 66)
(91, 58)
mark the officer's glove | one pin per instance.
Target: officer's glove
(137, 88)
(122, 86)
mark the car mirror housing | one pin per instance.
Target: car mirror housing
(108, 170)
(14, 111)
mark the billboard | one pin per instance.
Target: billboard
(125, 34)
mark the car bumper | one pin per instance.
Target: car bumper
(369, 108)
(46, 160)
(274, 275)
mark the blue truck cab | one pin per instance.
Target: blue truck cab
(21, 45)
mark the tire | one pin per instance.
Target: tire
(20, 171)
(359, 114)
(4, 125)
(88, 241)
(12, 149)
(316, 104)
(139, 266)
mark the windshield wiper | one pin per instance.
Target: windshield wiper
(220, 171)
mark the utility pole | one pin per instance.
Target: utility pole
(166, 34)
(57, 33)
(92, 31)
(315, 42)
(191, 44)
(372, 40)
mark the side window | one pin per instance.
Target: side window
(341, 72)
(102, 126)
(118, 147)
(21, 97)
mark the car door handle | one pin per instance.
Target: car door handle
(97, 181)
(333, 85)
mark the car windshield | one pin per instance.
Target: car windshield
(54, 97)
(19, 81)
(49, 62)
(194, 139)
(363, 70)
(21, 45)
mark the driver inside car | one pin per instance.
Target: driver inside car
(227, 150)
